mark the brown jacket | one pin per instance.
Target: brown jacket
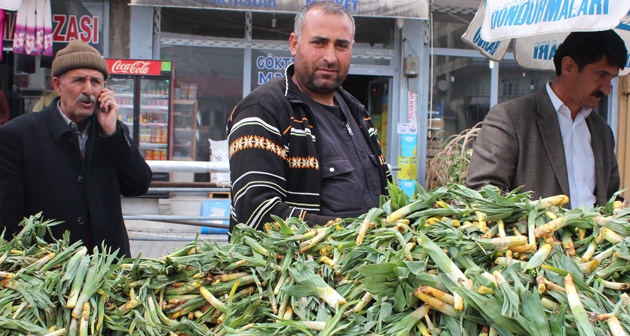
(520, 143)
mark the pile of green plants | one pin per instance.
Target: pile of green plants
(450, 261)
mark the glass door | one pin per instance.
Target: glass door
(123, 88)
(378, 105)
(154, 117)
(185, 129)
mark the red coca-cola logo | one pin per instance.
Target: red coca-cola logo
(134, 67)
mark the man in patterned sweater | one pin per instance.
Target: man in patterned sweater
(300, 145)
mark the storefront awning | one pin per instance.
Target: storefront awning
(416, 9)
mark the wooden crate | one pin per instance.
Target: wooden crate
(219, 195)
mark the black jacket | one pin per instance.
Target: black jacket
(275, 156)
(41, 170)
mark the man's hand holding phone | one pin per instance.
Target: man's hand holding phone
(107, 112)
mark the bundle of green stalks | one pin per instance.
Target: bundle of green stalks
(450, 261)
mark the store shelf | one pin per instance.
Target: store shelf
(184, 128)
(151, 145)
(163, 124)
(154, 107)
(154, 96)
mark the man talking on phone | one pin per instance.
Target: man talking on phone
(73, 160)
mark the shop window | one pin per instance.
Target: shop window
(510, 87)
(534, 85)
(460, 94)
(516, 81)
(456, 37)
(448, 29)
(217, 76)
(439, 59)
(381, 37)
(218, 23)
(272, 26)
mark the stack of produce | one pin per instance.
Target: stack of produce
(452, 261)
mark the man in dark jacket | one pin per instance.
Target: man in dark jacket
(73, 160)
(301, 146)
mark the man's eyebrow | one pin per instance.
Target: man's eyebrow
(606, 72)
(324, 38)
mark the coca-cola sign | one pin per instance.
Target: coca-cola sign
(134, 67)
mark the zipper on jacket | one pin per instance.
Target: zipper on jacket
(349, 129)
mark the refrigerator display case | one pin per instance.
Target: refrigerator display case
(185, 135)
(142, 89)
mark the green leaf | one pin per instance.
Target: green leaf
(384, 269)
(557, 322)
(400, 301)
(300, 290)
(284, 228)
(533, 310)
(416, 267)
(490, 308)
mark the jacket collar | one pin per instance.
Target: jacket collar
(57, 126)
(55, 123)
(552, 138)
(292, 91)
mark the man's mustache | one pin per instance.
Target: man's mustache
(599, 94)
(86, 99)
(327, 65)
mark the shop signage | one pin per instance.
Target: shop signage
(134, 67)
(70, 27)
(418, 9)
(412, 106)
(65, 27)
(9, 26)
(270, 66)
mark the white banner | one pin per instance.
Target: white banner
(492, 50)
(519, 18)
(537, 52)
(11, 5)
(536, 42)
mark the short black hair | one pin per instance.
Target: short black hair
(326, 6)
(589, 47)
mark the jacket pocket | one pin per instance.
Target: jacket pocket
(335, 167)
(341, 194)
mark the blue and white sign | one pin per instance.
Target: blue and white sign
(539, 26)
(520, 18)
(492, 50)
(270, 66)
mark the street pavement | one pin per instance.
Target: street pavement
(159, 244)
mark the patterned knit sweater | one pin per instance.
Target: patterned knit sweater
(275, 155)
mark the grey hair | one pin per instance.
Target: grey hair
(327, 6)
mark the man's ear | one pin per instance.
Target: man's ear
(568, 65)
(56, 82)
(293, 42)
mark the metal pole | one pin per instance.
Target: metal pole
(172, 217)
(195, 223)
(166, 166)
(192, 190)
